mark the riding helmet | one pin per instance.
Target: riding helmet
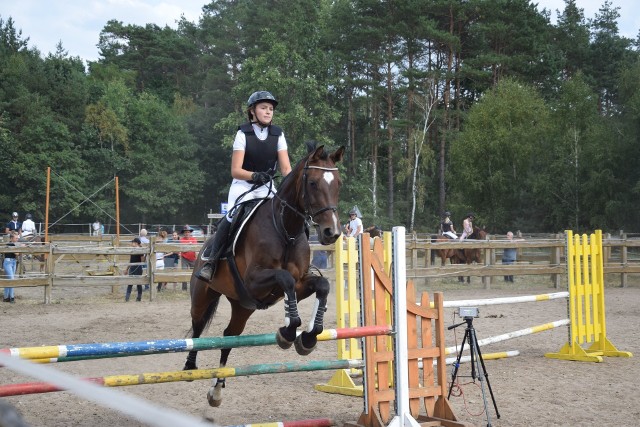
(261, 95)
(353, 212)
(28, 216)
(447, 213)
(471, 215)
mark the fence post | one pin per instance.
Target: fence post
(555, 260)
(623, 260)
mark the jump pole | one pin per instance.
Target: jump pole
(74, 352)
(195, 374)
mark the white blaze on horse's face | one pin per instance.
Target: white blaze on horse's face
(329, 177)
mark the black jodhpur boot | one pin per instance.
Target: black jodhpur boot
(208, 270)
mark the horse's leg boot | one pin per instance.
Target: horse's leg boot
(208, 270)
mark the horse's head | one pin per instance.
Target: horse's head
(318, 190)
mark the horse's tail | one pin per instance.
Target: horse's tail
(207, 316)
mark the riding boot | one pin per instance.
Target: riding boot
(208, 270)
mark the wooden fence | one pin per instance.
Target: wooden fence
(74, 260)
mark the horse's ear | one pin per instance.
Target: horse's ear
(337, 155)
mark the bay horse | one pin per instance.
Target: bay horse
(271, 260)
(445, 254)
(468, 256)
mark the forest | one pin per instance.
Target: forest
(484, 106)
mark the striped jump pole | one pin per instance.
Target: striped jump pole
(504, 300)
(313, 422)
(196, 374)
(74, 352)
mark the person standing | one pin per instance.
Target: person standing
(13, 225)
(28, 227)
(187, 259)
(9, 264)
(467, 225)
(160, 256)
(135, 269)
(259, 149)
(172, 259)
(96, 228)
(143, 236)
(354, 228)
(509, 256)
(446, 226)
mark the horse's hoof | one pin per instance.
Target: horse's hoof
(283, 343)
(301, 348)
(213, 402)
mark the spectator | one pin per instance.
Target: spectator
(135, 270)
(9, 265)
(187, 259)
(171, 260)
(96, 228)
(320, 258)
(143, 236)
(28, 227)
(509, 255)
(354, 228)
(13, 225)
(162, 238)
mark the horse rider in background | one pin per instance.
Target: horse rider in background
(28, 227)
(467, 225)
(446, 226)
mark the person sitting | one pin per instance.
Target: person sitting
(28, 227)
(467, 225)
(259, 149)
(446, 226)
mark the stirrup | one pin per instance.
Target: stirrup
(207, 272)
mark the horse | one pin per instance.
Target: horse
(468, 256)
(271, 260)
(33, 238)
(374, 231)
(445, 254)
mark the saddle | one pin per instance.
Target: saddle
(241, 216)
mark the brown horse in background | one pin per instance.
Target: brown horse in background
(468, 256)
(271, 258)
(445, 254)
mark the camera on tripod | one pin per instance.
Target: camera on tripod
(468, 312)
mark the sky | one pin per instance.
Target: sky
(77, 23)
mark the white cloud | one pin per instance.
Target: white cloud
(78, 23)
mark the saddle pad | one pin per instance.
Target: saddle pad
(244, 221)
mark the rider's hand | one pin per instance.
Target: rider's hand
(260, 177)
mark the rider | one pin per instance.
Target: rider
(259, 149)
(28, 226)
(446, 226)
(467, 225)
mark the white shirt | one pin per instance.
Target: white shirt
(353, 226)
(28, 227)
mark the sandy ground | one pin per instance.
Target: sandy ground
(529, 389)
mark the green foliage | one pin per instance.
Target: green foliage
(535, 126)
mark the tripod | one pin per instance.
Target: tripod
(477, 362)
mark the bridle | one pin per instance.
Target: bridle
(308, 215)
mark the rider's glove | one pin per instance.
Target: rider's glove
(260, 177)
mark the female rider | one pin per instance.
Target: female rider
(259, 149)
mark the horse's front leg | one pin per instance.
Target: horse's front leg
(307, 340)
(287, 334)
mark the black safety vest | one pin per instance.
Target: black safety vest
(261, 156)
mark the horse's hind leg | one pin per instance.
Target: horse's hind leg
(306, 342)
(204, 303)
(237, 322)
